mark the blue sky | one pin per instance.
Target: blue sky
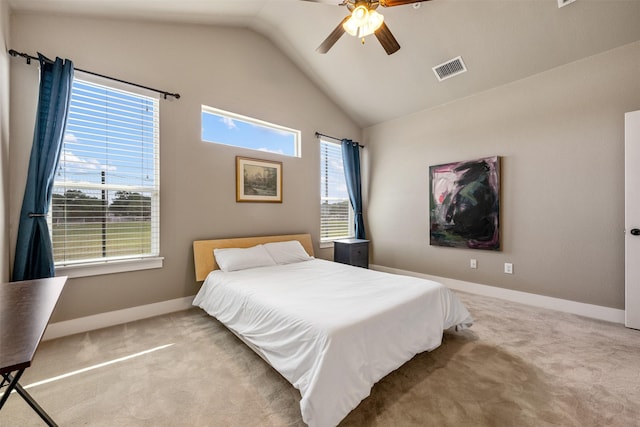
(233, 131)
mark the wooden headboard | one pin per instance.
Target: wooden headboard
(203, 249)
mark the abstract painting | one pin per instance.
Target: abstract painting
(465, 204)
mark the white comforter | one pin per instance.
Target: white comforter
(330, 329)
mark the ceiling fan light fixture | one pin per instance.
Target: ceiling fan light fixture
(375, 20)
(360, 15)
(363, 22)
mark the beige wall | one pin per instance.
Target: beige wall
(561, 138)
(232, 69)
(559, 133)
(4, 143)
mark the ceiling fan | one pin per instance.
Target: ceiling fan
(364, 20)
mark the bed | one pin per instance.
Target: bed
(332, 330)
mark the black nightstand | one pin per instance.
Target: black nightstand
(352, 252)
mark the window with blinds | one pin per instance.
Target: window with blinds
(336, 214)
(105, 203)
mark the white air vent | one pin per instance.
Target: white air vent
(450, 68)
(564, 2)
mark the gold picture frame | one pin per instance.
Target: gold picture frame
(258, 180)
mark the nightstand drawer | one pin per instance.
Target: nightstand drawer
(351, 251)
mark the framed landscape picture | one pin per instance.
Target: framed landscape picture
(465, 204)
(258, 180)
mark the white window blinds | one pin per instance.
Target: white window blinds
(105, 203)
(336, 214)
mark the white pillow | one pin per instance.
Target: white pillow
(287, 252)
(234, 259)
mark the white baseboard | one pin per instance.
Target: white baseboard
(567, 306)
(103, 320)
(111, 318)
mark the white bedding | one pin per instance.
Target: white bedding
(330, 329)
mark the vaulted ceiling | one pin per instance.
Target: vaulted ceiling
(500, 41)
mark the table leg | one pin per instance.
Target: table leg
(26, 396)
(13, 381)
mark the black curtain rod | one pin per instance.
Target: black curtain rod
(318, 134)
(164, 93)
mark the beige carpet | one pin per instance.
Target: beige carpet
(517, 366)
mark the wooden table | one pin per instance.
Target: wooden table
(25, 310)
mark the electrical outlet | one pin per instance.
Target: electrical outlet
(508, 268)
(473, 263)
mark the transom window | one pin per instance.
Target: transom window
(336, 213)
(105, 203)
(223, 127)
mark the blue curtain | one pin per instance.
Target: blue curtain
(351, 160)
(34, 252)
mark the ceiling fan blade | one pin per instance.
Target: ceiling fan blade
(386, 39)
(333, 37)
(390, 3)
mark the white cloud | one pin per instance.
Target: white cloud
(229, 122)
(69, 160)
(72, 163)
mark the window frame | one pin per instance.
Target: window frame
(100, 266)
(328, 242)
